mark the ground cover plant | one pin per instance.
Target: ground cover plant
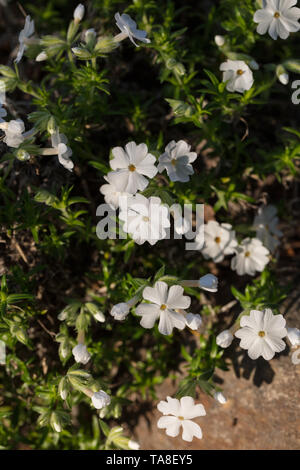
(149, 177)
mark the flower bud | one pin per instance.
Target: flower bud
(293, 335)
(55, 422)
(219, 40)
(284, 78)
(193, 321)
(2, 352)
(78, 13)
(220, 398)
(90, 36)
(120, 311)
(133, 445)
(209, 282)
(100, 399)
(41, 56)
(224, 339)
(81, 354)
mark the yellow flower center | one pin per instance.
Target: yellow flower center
(240, 72)
(181, 418)
(163, 307)
(247, 254)
(131, 168)
(146, 219)
(218, 240)
(261, 334)
(173, 161)
(276, 14)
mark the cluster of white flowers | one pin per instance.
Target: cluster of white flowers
(252, 254)
(145, 219)
(167, 304)
(277, 17)
(261, 334)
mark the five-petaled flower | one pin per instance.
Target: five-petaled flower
(59, 143)
(261, 334)
(265, 223)
(219, 241)
(251, 256)
(14, 130)
(145, 219)
(278, 17)
(177, 160)
(129, 29)
(179, 414)
(131, 166)
(238, 75)
(81, 353)
(164, 303)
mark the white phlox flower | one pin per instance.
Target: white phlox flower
(81, 353)
(121, 310)
(111, 193)
(145, 219)
(129, 29)
(24, 35)
(261, 334)
(100, 399)
(164, 303)
(238, 75)
(278, 17)
(176, 160)
(14, 130)
(219, 241)
(265, 223)
(179, 414)
(131, 166)
(251, 256)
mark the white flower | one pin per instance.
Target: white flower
(193, 321)
(251, 256)
(131, 166)
(2, 352)
(220, 398)
(41, 56)
(177, 160)
(265, 223)
(224, 339)
(111, 192)
(296, 357)
(23, 36)
(182, 412)
(120, 311)
(90, 35)
(133, 445)
(81, 354)
(78, 13)
(129, 29)
(219, 241)
(13, 132)
(261, 334)
(59, 143)
(100, 399)
(219, 40)
(145, 219)
(238, 75)
(164, 303)
(284, 78)
(293, 335)
(278, 17)
(254, 65)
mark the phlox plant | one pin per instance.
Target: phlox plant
(154, 103)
